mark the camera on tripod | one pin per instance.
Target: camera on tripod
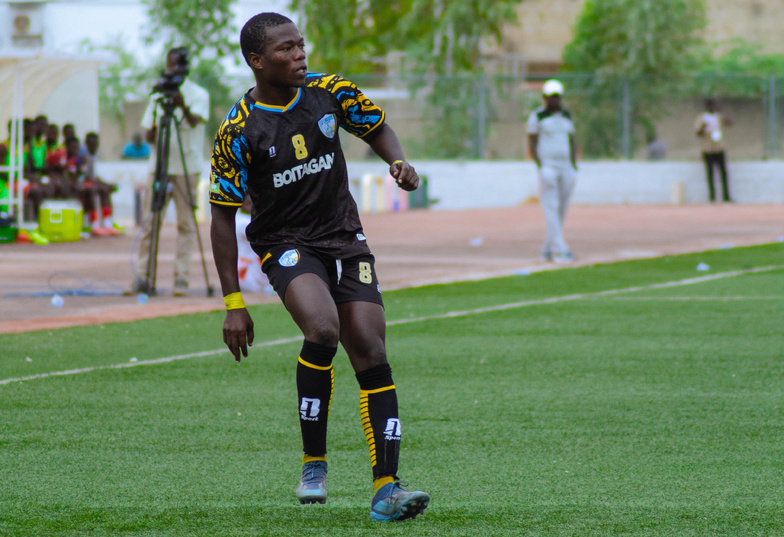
(170, 82)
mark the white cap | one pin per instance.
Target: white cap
(552, 87)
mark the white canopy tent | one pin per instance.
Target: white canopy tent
(63, 88)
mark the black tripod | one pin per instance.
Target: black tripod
(160, 189)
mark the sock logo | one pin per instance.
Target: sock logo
(392, 432)
(309, 409)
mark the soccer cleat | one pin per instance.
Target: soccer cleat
(313, 486)
(566, 257)
(546, 256)
(393, 503)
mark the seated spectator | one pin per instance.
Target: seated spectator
(4, 192)
(70, 132)
(38, 185)
(74, 178)
(137, 149)
(56, 162)
(38, 145)
(5, 160)
(94, 186)
(657, 149)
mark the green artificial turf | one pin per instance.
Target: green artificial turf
(649, 412)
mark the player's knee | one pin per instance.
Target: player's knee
(323, 333)
(372, 355)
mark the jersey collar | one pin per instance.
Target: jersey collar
(274, 108)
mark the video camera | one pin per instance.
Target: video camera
(169, 84)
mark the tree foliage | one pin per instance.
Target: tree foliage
(643, 49)
(436, 37)
(122, 80)
(743, 70)
(440, 36)
(653, 38)
(205, 26)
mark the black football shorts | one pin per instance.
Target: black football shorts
(349, 280)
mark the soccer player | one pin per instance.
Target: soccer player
(279, 143)
(551, 143)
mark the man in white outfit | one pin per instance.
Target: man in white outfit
(191, 113)
(551, 143)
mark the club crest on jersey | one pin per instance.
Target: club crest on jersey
(289, 258)
(328, 125)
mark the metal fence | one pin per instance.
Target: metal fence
(484, 117)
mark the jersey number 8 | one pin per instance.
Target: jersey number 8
(365, 275)
(299, 146)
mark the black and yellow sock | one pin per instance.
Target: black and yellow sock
(378, 410)
(315, 382)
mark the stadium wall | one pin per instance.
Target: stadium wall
(456, 185)
(475, 184)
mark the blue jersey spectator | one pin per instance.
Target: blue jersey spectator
(138, 149)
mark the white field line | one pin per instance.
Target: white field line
(143, 362)
(579, 296)
(697, 298)
(448, 315)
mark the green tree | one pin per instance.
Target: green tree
(212, 45)
(206, 28)
(438, 37)
(742, 71)
(640, 52)
(121, 80)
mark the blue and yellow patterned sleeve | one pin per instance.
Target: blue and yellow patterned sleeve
(230, 159)
(360, 115)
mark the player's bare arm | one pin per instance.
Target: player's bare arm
(387, 146)
(238, 326)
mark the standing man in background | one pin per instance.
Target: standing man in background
(709, 128)
(551, 143)
(192, 110)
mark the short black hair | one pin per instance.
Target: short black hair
(91, 135)
(253, 37)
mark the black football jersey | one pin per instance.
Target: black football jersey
(289, 159)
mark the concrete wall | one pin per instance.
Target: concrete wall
(466, 185)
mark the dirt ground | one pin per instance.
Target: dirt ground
(412, 248)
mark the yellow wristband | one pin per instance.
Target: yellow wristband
(233, 301)
(398, 161)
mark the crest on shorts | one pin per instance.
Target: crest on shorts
(328, 125)
(289, 258)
